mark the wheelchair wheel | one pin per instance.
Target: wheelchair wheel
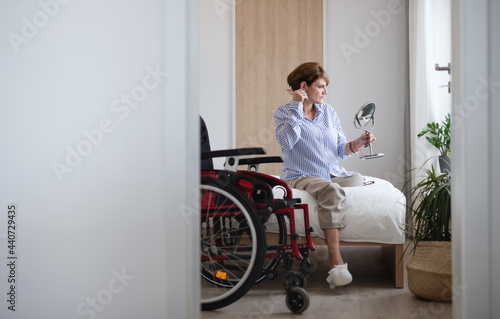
(297, 300)
(233, 244)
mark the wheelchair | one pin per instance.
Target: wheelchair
(235, 206)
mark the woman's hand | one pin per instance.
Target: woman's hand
(364, 140)
(299, 95)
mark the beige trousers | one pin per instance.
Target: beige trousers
(330, 196)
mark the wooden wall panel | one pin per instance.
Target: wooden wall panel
(272, 38)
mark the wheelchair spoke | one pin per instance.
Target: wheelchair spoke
(232, 245)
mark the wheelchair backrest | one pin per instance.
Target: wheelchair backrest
(205, 145)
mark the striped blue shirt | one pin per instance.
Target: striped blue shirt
(310, 148)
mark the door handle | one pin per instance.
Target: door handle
(443, 68)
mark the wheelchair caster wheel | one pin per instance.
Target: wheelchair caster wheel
(293, 279)
(297, 300)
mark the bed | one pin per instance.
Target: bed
(374, 215)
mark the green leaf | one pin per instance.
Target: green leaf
(440, 134)
(430, 207)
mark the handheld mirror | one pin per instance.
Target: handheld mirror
(365, 119)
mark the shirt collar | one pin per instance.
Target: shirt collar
(319, 108)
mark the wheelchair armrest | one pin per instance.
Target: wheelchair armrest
(233, 152)
(286, 202)
(260, 160)
(254, 162)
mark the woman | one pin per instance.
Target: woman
(312, 142)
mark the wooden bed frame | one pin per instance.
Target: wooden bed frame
(392, 253)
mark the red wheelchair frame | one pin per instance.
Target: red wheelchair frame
(235, 206)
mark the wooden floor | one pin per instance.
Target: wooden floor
(370, 295)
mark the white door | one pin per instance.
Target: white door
(476, 174)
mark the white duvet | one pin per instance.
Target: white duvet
(373, 213)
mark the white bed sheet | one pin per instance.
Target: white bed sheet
(373, 213)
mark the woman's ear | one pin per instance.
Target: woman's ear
(303, 85)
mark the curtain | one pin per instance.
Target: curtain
(429, 44)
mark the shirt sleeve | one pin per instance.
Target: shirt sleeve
(341, 139)
(288, 119)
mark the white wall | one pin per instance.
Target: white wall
(376, 72)
(91, 98)
(366, 59)
(494, 183)
(475, 186)
(216, 72)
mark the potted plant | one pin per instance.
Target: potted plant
(429, 271)
(440, 137)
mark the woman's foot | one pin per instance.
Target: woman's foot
(339, 276)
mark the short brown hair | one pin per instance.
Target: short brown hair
(306, 72)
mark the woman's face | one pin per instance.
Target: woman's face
(317, 91)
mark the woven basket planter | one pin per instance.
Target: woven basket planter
(429, 271)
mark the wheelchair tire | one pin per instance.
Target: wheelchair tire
(297, 300)
(232, 247)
